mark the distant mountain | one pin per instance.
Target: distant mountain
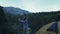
(15, 11)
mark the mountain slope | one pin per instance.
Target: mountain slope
(15, 11)
(37, 20)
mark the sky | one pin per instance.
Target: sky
(33, 5)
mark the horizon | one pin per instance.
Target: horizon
(33, 5)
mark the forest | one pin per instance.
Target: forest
(10, 24)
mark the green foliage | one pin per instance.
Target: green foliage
(37, 20)
(9, 23)
(12, 25)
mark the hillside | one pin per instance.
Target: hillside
(15, 11)
(37, 20)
